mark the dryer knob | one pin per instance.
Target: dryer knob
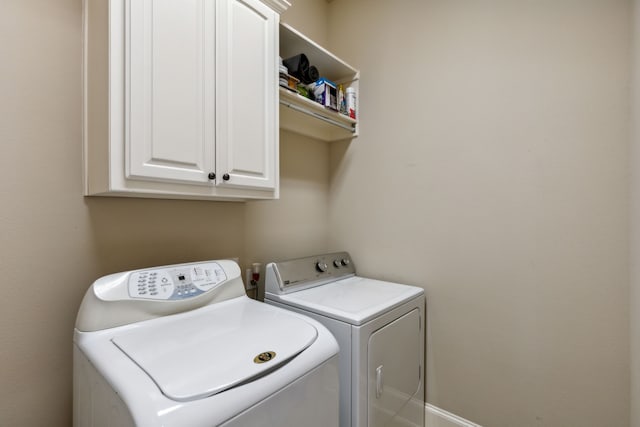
(321, 266)
(337, 263)
(345, 261)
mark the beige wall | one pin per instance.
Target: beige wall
(296, 224)
(634, 297)
(54, 242)
(492, 170)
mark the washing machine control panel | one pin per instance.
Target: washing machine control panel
(175, 283)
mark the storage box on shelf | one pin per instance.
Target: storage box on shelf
(304, 116)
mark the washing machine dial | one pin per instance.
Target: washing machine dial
(337, 263)
(321, 266)
(345, 261)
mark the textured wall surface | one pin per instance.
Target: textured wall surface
(492, 170)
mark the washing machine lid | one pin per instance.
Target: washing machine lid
(195, 355)
(354, 300)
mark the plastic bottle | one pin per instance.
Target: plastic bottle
(342, 103)
(351, 102)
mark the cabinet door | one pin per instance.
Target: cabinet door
(394, 370)
(170, 91)
(247, 97)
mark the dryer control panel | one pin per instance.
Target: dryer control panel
(302, 273)
(175, 283)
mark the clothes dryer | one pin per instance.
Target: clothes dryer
(379, 328)
(182, 345)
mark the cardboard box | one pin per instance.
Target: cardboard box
(326, 93)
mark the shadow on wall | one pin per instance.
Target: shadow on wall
(339, 160)
(130, 233)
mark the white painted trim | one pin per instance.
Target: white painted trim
(278, 5)
(85, 95)
(436, 417)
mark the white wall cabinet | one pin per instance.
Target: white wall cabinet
(181, 98)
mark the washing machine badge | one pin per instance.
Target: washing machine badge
(264, 357)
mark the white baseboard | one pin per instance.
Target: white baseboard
(436, 417)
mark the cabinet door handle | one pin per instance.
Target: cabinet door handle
(226, 177)
(212, 175)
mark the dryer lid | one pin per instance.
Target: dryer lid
(195, 355)
(355, 300)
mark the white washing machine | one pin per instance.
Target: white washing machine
(379, 328)
(182, 345)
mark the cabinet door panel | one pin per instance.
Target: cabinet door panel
(170, 130)
(247, 94)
